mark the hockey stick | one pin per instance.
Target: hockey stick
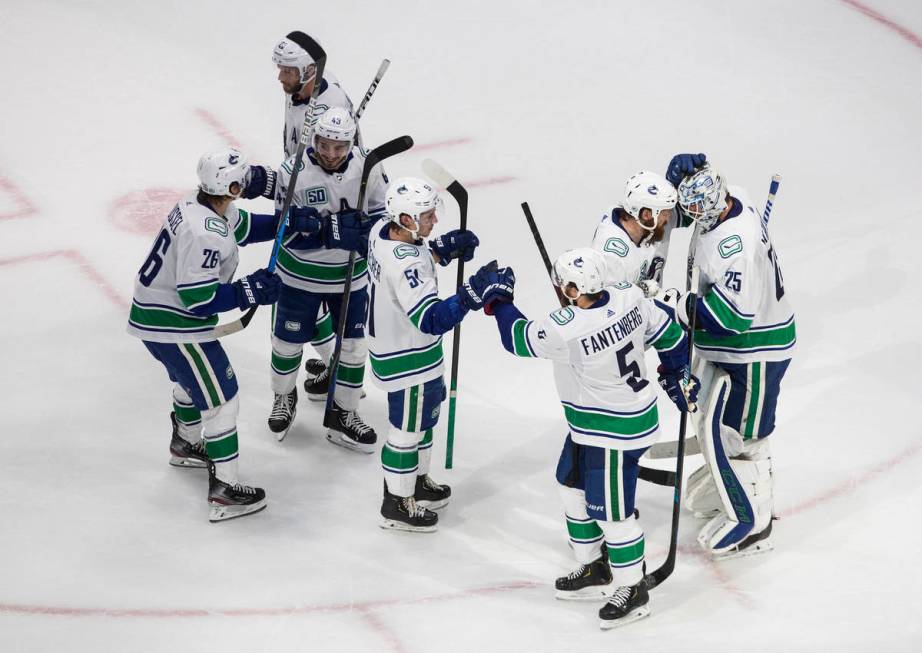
(364, 103)
(376, 156)
(447, 181)
(669, 449)
(319, 56)
(658, 476)
(663, 571)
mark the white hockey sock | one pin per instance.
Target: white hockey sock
(585, 534)
(400, 460)
(286, 361)
(351, 373)
(219, 430)
(425, 452)
(188, 417)
(625, 542)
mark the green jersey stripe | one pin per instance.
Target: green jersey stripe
(317, 271)
(726, 314)
(242, 230)
(669, 337)
(625, 555)
(399, 460)
(204, 373)
(417, 315)
(754, 390)
(285, 364)
(519, 339)
(777, 338)
(166, 318)
(223, 447)
(614, 485)
(584, 419)
(198, 295)
(350, 374)
(400, 365)
(586, 531)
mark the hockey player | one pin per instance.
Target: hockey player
(179, 291)
(597, 345)
(406, 321)
(745, 337)
(312, 265)
(631, 234)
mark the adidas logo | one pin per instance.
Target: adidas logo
(610, 313)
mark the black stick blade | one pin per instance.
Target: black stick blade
(313, 48)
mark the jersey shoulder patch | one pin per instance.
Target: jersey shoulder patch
(729, 246)
(405, 250)
(563, 315)
(616, 246)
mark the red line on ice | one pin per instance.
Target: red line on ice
(26, 207)
(83, 264)
(905, 32)
(491, 181)
(218, 126)
(438, 144)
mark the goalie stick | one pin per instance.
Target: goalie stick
(663, 571)
(376, 156)
(319, 56)
(454, 188)
(649, 474)
(670, 449)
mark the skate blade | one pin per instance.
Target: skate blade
(394, 525)
(337, 438)
(280, 435)
(594, 593)
(317, 397)
(762, 546)
(630, 617)
(224, 513)
(192, 463)
(433, 505)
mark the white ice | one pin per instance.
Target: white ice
(106, 108)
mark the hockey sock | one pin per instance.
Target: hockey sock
(625, 542)
(188, 417)
(400, 460)
(219, 430)
(585, 534)
(351, 373)
(286, 360)
(425, 452)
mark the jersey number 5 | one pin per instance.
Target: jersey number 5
(155, 261)
(630, 370)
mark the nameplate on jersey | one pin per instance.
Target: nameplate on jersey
(616, 246)
(729, 246)
(217, 225)
(612, 334)
(403, 251)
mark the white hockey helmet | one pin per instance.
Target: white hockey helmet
(290, 52)
(584, 267)
(648, 190)
(337, 124)
(410, 196)
(703, 195)
(218, 170)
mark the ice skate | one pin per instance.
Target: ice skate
(404, 514)
(316, 387)
(350, 431)
(751, 545)
(231, 501)
(430, 494)
(625, 605)
(184, 453)
(284, 410)
(589, 582)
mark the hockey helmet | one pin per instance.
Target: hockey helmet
(584, 267)
(703, 195)
(410, 196)
(217, 171)
(291, 52)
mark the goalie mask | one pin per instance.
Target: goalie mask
(583, 267)
(217, 171)
(648, 190)
(703, 196)
(412, 197)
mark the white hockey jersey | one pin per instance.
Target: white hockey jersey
(404, 285)
(742, 290)
(194, 252)
(599, 365)
(323, 270)
(624, 259)
(331, 95)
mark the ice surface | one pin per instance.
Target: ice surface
(106, 109)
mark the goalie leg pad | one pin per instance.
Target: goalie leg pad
(701, 494)
(400, 460)
(219, 430)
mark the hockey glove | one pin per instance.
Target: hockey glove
(303, 219)
(454, 244)
(472, 292)
(649, 287)
(259, 182)
(499, 292)
(260, 287)
(684, 394)
(683, 165)
(347, 230)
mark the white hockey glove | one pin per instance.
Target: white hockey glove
(649, 287)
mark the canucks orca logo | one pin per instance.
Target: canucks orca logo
(403, 190)
(578, 262)
(653, 190)
(232, 159)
